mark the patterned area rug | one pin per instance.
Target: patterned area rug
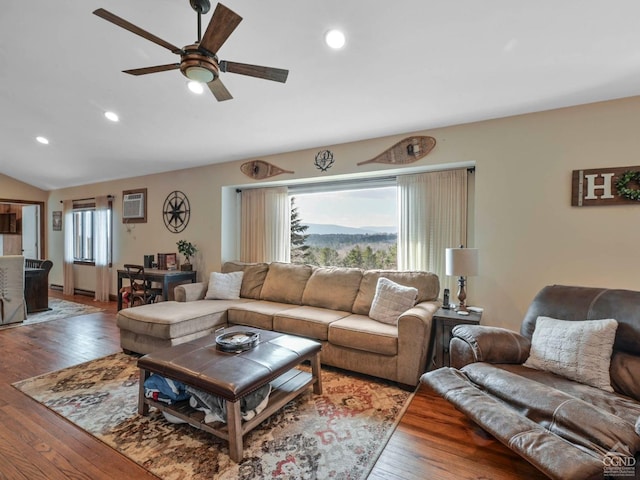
(59, 309)
(337, 435)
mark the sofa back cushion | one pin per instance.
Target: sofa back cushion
(427, 284)
(332, 287)
(253, 278)
(285, 282)
(588, 303)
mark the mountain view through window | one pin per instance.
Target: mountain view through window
(350, 228)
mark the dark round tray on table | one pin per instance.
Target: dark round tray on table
(237, 341)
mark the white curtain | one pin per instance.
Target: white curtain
(265, 233)
(433, 217)
(67, 266)
(101, 248)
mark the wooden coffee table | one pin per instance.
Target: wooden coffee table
(231, 376)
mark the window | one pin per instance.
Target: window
(84, 233)
(348, 227)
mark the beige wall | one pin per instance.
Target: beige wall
(13, 189)
(526, 230)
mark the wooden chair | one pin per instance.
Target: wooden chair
(36, 284)
(139, 291)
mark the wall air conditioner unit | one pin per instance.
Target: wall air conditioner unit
(133, 206)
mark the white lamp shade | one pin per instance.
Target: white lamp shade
(461, 262)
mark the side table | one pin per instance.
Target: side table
(443, 322)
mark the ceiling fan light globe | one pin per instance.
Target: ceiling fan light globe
(199, 74)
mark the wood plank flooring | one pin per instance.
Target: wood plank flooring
(433, 440)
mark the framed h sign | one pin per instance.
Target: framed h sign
(605, 186)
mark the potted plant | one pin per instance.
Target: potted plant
(187, 249)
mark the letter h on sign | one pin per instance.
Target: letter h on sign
(598, 187)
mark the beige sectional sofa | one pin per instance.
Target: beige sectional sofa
(328, 304)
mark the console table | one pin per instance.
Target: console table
(168, 278)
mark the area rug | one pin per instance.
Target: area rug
(337, 435)
(59, 309)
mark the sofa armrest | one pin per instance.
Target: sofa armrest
(479, 343)
(189, 292)
(414, 333)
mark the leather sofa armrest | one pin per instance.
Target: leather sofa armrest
(480, 343)
(189, 292)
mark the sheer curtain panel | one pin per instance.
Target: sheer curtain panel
(67, 265)
(433, 217)
(265, 225)
(102, 260)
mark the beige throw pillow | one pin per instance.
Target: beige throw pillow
(578, 350)
(224, 286)
(391, 300)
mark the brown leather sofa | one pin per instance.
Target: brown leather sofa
(567, 429)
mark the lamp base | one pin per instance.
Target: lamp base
(462, 296)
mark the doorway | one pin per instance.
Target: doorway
(29, 240)
(30, 231)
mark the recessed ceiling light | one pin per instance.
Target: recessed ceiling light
(335, 39)
(111, 116)
(195, 87)
(43, 140)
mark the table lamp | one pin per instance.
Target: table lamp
(461, 262)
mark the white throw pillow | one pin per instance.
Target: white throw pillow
(578, 350)
(391, 300)
(224, 286)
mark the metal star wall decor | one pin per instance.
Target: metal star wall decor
(176, 211)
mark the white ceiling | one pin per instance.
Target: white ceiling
(408, 65)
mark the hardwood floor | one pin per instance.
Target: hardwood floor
(433, 440)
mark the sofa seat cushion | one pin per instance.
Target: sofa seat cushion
(578, 421)
(257, 314)
(167, 320)
(363, 333)
(143, 344)
(332, 287)
(310, 322)
(619, 405)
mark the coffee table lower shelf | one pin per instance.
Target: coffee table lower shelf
(283, 389)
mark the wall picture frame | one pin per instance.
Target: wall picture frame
(57, 221)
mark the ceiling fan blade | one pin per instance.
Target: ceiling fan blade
(222, 24)
(121, 22)
(268, 73)
(219, 90)
(156, 69)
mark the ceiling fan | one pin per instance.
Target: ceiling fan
(199, 61)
